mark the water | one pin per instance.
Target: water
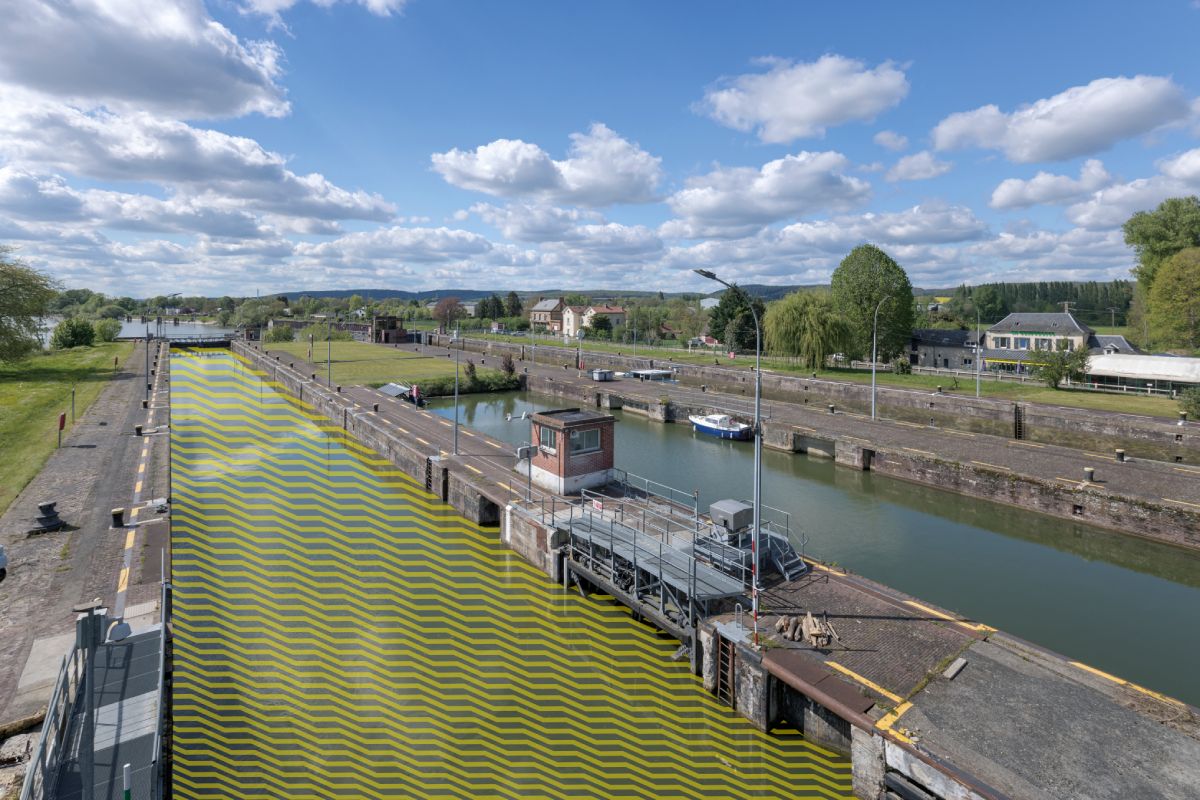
(137, 329)
(1125, 605)
(341, 633)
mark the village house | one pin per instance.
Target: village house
(547, 315)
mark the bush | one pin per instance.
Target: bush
(280, 333)
(73, 332)
(320, 333)
(107, 330)
(485, 381)
(902, 366)
(1189, 401)
(507, 366)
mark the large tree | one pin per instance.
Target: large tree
(1159, 234)
(731, 320)
(447, 310)
(1175, 301)
(1063, 364)
(804, 325)
(864, 278)
(512, 305)
(25, 295)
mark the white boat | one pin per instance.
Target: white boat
(720, 425)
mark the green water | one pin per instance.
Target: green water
(1125, 605)
(340, 633)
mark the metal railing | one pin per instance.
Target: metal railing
(157, 754)
(42, 774)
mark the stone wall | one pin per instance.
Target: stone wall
(1140, 436)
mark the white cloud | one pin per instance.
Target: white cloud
(918, 167)
(601, 168)
(1110, 207)
(398, 245)
(1079, 121)
(921, 224)
(168, 56)
(738, 200)
(891, 140)
(792, 101)
(1183, 167)
(274, 8)
(1047, 188)
(525, 222)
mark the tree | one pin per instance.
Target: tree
(280, 333)
(576, 300)
(72, 332)
(600, 326)
(447, 310)
(864, 278)
(111, 311)
(1175, 301)
(1189, 402)
(512, 306)
(987, 299)
(25, 295)
(1159, 234)
(804, 325)
(107, 330)
(507, 366)
(471, 374)
(355, 302)
(733, 305)
(1063, 364)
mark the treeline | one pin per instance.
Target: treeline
(1091, 302)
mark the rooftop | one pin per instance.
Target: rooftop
(1040, 323)
(564, 417)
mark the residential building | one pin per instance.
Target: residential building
(615, 314)
(547, 314)
(942, 348)
(572, 320)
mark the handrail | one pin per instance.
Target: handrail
(156, 753)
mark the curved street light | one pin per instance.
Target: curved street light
(875, 347)
(704, 273)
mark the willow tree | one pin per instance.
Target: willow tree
(804, 325)
(25, 295)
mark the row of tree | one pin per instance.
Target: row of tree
(1167, 242)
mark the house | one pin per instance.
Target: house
(547, 314)
(942, 348)
(572, 320)
(615, 314)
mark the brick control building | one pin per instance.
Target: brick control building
(573, 450)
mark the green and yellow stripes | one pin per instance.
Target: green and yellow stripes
(340, 633)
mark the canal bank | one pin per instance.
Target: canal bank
(1092, 701)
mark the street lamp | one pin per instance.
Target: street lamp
(874, 349)
(978, 352)
(754, 585)
(579, 349)
(453, 340)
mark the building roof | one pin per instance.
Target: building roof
(606, 309)
(550, 304)
(566, 417)
(1040, 323)
(1112, 342)
(1149, 368)
(574, 309)
(943, 337)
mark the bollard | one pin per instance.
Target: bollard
(118, 518)
(704, 387)
(939, 391)
(149, 386)
(831, 409)
(152, 372)
(375, 407)
(137, 430)
(1089, 474)
(1182, 417)
(145, 404)
(339, 389)
(1121, 455)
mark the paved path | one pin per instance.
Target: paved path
(93, 472)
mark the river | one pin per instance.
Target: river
(1124, 605)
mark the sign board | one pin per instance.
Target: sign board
(597, 505)
(62, 421)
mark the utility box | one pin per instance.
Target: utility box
(574, 450)
(732, 515)
(602, 374)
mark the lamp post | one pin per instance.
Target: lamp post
(453, 340)
(757, 524)
(874, 349)
(579, 349)
(329, 352)
(978, 353)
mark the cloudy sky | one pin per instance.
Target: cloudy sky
(230, 146)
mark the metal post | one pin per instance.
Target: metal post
(456, 352)
(978, 353)
(126, 782)
(874, 350)
(72, 405)
(147, 362)
(329, 352)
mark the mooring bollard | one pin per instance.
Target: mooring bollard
(1120, 455)
(145, 404)
(339, 389)
(137, 430)
(939, 391)
(375, 407)
(832, 410)
(118, 518)
(1089, 474)
(1182, 417)
(47, 518)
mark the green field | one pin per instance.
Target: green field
(1031, 391)
(363, 363)
(33, 394)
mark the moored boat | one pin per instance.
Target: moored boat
(720, 425)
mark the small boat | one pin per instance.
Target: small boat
(720, 425)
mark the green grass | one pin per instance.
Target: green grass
(364, 363)
(32, 395)
(1031, 391)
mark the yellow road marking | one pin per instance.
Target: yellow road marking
(993, 466)
(505, 486)
(975, 626)
(1098, 455)
(919, 452)
(422, 441)
(886, 723)
(123, 581)
(498, 447)
(869, 684)
(468, 433)
(958, 433)
(1181, 502)
(141, 468)
(907, 424)
(1027, 444)
(473, 469)
(137, 487)
(129, 537)
(1070, 482)
(1123, 682)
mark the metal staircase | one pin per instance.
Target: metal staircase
(785, 558)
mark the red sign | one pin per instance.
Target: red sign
(597, 505)
(62, 421)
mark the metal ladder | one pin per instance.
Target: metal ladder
(726, 657)
(784, 557)
(1018, 422)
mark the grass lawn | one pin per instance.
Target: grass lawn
(364, 363)
(33, 394)
(1031, 391)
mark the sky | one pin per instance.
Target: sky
(243, 146)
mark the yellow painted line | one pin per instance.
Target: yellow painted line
(129, 537)
(1098, 455)
(473, 469)
(919, 452)
(1186, 469)
(468, 433)
(1181, 502)
(869, 684)
(908, 424)
(1123, 682)
(493, 444)
(886, 723)
(123, 581)
(145, 452)
(133, 513)
(141, 468)
(993, 466)
(422, 441)
(958, 433)
(505, 486)
(1071, 482)
(1027, 444)
(444, 422)
(975, 626)
(137, 487)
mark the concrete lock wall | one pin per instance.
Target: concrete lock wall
(1144, 437)
(537, 543)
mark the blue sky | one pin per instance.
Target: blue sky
(237, 146)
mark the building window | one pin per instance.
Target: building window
(1021, 343)
(968, 362)
(1043, 344)
(1001, 342)
(585, 441)
(546, 440)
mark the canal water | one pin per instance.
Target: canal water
(1121, 604)
(340, 633)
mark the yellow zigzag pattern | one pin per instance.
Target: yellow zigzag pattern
(341, 633)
